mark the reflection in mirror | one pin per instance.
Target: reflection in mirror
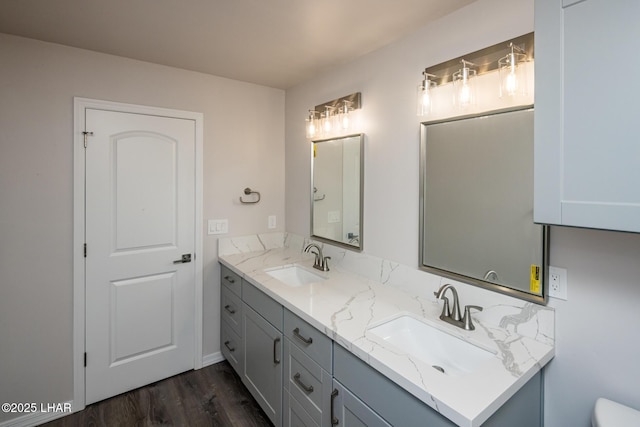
(336, 197)
(476, 218)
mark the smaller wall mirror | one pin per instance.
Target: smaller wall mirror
(337, 166)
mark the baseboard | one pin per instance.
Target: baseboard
(209, 359)
(36, 418)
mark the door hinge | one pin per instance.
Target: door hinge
(85, 359)
(86, 137)
(85, 250)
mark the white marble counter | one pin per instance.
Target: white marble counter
(346, 304)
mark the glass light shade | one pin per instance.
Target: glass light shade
(512, 74)
(424, 98)
(464, 86)
(344, 116)
(311, 125)
(424, 95)
(327, 121)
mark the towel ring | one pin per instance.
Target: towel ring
(248, 191)
(317, 198)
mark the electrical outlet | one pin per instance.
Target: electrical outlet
(557, 282)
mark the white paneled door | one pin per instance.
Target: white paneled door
(140, 232)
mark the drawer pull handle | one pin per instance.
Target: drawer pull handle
(334, 420)
(307, 341)
(275, 353)
(231, 349)
(307, 388)
(229, 309)
(229, 279)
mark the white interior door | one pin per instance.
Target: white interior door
(140, 219)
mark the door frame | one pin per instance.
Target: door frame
(79, 224)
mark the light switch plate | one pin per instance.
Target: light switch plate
(218, 226)
(271, 222)
(333, 217)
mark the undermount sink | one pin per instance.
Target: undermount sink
(446, 353)
(295, 275)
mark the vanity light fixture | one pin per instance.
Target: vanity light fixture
(424, 98)
(333, 118)
(495, 77)
(511, 71)
(464, 84)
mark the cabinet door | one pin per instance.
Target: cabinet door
(349, 411)
(587, 151)
(263, 363)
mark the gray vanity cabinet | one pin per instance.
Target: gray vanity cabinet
(263, 350)
(586, 150)
(301, 378)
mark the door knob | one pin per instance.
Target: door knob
(185, 258)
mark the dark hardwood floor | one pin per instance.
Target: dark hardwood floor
(211, 396)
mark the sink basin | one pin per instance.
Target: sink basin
(295, 275)
(448, 354)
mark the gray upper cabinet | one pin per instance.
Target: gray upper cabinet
(586, 145)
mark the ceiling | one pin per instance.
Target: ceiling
(276, 43)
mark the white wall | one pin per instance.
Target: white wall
(597, 346)
(37, 84)
(595, 356)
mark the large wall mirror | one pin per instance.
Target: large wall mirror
(336, 196)
(476, 208)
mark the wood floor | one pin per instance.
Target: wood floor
(211, 396)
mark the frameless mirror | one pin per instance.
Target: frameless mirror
(336, 196)
(476, 212)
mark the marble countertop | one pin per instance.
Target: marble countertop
(346, 304)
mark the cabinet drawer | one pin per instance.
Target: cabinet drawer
(266, 306)
(307, 382)
(310, 340)
(231, 280)
(295, 415)
(231, 309)
(231, 347)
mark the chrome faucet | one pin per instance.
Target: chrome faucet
(321, 262)
(452, 315)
